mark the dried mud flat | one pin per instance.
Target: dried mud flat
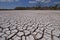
(29, 25)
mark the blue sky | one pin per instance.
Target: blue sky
(25, 3)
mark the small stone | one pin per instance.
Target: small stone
(13, 31)
(11, 28)
(31, 37)
(8, 32)
(41, 32)
(37, 30)
(17, 38)
(32, 30)
(20, 28)
(23, 37)
(38, 35)
(4, 35)
(29, 28)
(26, 32)
(40, 25)
(20, 33)
(42, 29)
(24, 27)
(6, 29)
(34, 33)
(27, 38)
(29, 23)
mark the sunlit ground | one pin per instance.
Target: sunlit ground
(30, 25)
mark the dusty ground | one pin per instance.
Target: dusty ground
(30, 25)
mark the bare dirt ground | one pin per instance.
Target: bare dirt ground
(30, 25)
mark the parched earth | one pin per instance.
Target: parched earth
(29, 25)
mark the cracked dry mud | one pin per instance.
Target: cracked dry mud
(29, 26)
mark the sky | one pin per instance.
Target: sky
(10, 4)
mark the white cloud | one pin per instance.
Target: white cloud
(43, 1)
(8, 0)
(36, 1)
(32, 2)
(40, 0)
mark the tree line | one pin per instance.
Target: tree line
(39, 8)
(56, 7)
